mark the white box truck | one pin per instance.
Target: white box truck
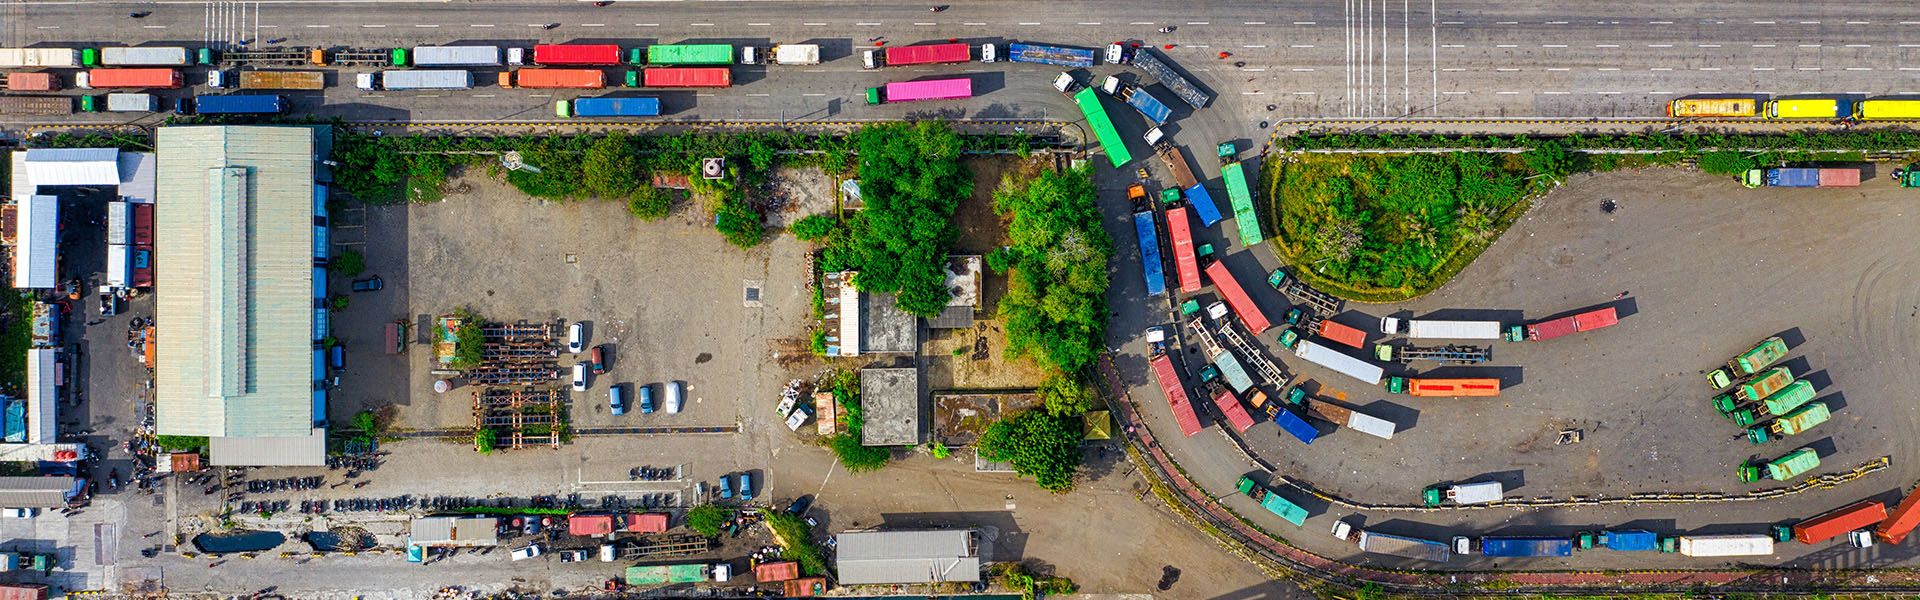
(1451, 330)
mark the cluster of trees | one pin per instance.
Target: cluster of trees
(1371, 223)
(708, 519)
(846, 446)
(1055, 304)
(16, 336)
(798, 539)
(1037, 443)
(911, 180)
(1687, 142)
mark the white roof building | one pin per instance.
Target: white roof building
(73, 166)
(896, 557)
(43, 397)
(38, 232)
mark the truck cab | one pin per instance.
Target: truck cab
(1288, 338)
(1065, 83)
(1153, 136)
(516, 56)
(988, 53)
(870, 59)
(1119, 54)
(365, 81)
(749, 55)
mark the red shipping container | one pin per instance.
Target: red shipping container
(1589, 321)
(1905, 516)
(1176, 395)
(689, 77)
(590, 525)
(1839, 177)
(1249, 312)
(1181, 231)
(133, 78)
(142, 224)
(583, 79)
(646, 523)
(1229, 405)
(1453, 388)
(1586, 321)
(576, 54)
(23, 591)
(925, 55)
(32, 82)
(780, 571)
(1343, 334)
(1837, 522)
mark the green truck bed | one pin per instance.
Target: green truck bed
(1765, 385)
(1758, 357)
(1784, 401)
(649, 574)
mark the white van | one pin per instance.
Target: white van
(526, 552)
(579, 377)
(673, 397)
(576, 338)
(988, 53)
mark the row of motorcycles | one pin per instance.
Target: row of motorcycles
(653, 474)
(356, 462)
(262, 486)
(644, 501)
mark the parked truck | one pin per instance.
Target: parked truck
(1716, 546)
(1901, 523)
(1765, 384)
(418, 79)
(1338, 361)
(36, 105)
(1046, 55)
(1546, 330)
(1320, 302)
(783, 54)
(1332, 330)
(1232, 370)
(1250, 314)
(128, 78)
(1280, 507)
(1525, 546)
(1782, 402)
(575, 79)
(253, 104)
(1748, 363)
(912, 91)
(1295, 426)
(1392, 545)
(1859, 515)
(1801, 177)
(607, 107)
(32, 82)
(652, 574)
(1634, 540)
(1139, 99)
(39, 58)
(145, 56)
(1175, 391)
(1805, 108)
(1350, 419)
(133, 103)
(1793, 423)
(283, 80)
(1196, 193)
(1780, 469)
(917, 55)
(696, 77)
(1230, 407)
(576, 54)
(1463, 493)
(1454, 330)
(454, 56)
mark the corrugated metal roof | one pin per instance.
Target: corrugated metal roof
(34, 492)
(137, 171)
(308, 450)
(647, 522)
(43, 399)
(39, 231)
(73, 166)
(885, 557)
(455, 531)
(590, 524)
(234, 276)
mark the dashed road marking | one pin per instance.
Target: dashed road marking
(424, 26)
(1556, 93)
(1303, 93)
(1809, 68)
(1302, 70)
(1609, 68)
(1809, 45)
(1301, 46)
(1029, 23)
(1858, 22)
(925, 24)
(1763, 68)
(1662, 69)
(1198, 23)
(1506, 22)
(1659, 45)
(1507, 93)
(759, 24)
(479, 25)
(1558, 69)
(1763, 45)
(1453, 45)
(657, 24)
(1606, 45)
(1141, 23)
(1763, 22)
(868, 24)
(1709, 68)
(593, 24)
(1255, 46)
(1709, 45)
(1659, 22)
(1809, 22)
(154, 26)
(1454, 93)
(1454, 23)
(1254, 23)
(1859, 68)
(373, 26)
(1305, 23)
(1506, 69)
(814, 24)
(318, 26)
(1506, 46)
(1553, 45)
(1608, 93)
(984, 24)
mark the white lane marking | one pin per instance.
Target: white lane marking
(1659, 45)
(1609, 68)
(1910, 45)
(1910, 22)
(1506, 22)
(1253, 93)
(1910, 68)
(699, 24)
(1555, 93)
(47, 27)
(593, 24)
(1857, 22)
(1452, 69)
(1254, 23)
(1709, 45)
(1859, 68)
(1454, 93)
(1302, 70)
(154, 26)
(760, 95)
(868, 24)
(1507, 93)
(925, 24)
(1763, 68)
(1608, 93)
(541, 95)
(1301, 46)
(1198, 23)
(1259, 70)
(1506, 69)
(1141, 23)
(759, 24)
(1506, 46)
(1809, 22)
(1809, 45)
(1453, 45)
(1763, 22)
(1859, 45)
(318, 26)
(1029, 23)
(1553, 45)
(1198, 46)
(1659, 22)
(1558, 69)
(1454, 23)
(478, 25)
(1305, 23)
(1556, 22)
(984, 24)
(1709, 68)
(1662, 69)
(425, 26)
(814, 24)
(1659, 93)
(1255, 46)
(483, 95)
(813, 94)
(1809, 68)
(1606, 45)
(657, 24)
(1763, 45)
(373, 26)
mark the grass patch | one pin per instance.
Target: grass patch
(708, 519)
(797, 538)
(17, 307)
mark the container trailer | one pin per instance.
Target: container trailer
(1525, 546)
(1046, 55)
(1463, 493)
(1404, 547)
(576, 54)
(1786, 467)
(1859, 515)
(253, 104)
(1232, 371)
(1250, 315)
(145, 56)
(575, 79)
(1295, 426)
(783, 54)
(1801, 177)
(1715, 546)
(453, 56)
(1338, 361)
(1724, 108)
(1151, 268)
(133, 103)
(713, 77)
(1444, 388)
(1139, 99)
(1350, 419)
(1748, 363)
(32, 82)
(912, 91)
(1187, 266)
(1793, 423)
(283, 80)
(1241, 198)
(1456, 330)
(423, 79)
(128, 78)
(1102, 125)
(690, 54)
(608, 107)
(926, 55)
(1231, 408)
(1280, 507)
(36, 105)
(1339, 333)
(1546, 330)
(1901, 523)
(1624, 541)
(1176, 393)
(39, 58)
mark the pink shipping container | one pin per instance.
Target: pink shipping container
(937, 89)
(922, 55)
(576, 54)
(32, 82)
(1229, 405)
(1839, 177)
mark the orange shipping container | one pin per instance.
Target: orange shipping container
(1450, 388)
(1343, 334)
(1905, 516)
(1840, 521)
(583, 79)
(32, 82)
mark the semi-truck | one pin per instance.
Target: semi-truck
(1716, 546)
(1138, 98)
(1444, 388)
(1463, 493)
(783, 54)
(1230, 407)
(608, 107)
(1046, 55)
(145, 56)
(1152, 271)
(1793, 423)
(1874, 110)
(1176, 393)
(1459, 354)
(1280, 507)
(32, 82)
(1780, 469)
(573, 79)
(417, 79)
(1089, 104)
(1793, 396)
(1241, 198)
(1747, 363)
(1350, 418)
(453, 56)
(1837, 522)
(917, 55)
(38, 58)
(1546, 330)
(1250, 315)
(696, 77)
(1634, 540)
(251, 104)
(1323, 303)
(36, 105)
(1724, 108)
(1508, 547)
(1186, 264)
(1164, 73)
(1901, 523)
(1197, 196)
(1452, 330)
(1765, 384)
(283, 80)
(1801, 177)
(1338, 361)
(28, 561)
(912, 91)
(576, 54)
(133, 103)
(1392, 545)
(690, 54)
(1805, 108)
(1332, 330)
(652, 574)
(1231, 370)
(128, 78)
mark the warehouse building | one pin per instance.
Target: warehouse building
(40, 177)
(240, 276)
(901, 557)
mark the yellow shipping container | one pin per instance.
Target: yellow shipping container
(1889, 109)
(1810, 108)
(1713, 107)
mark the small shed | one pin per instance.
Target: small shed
(779, 571)
(890, 407)
(590, 525)
(463, 532)
(646, 523)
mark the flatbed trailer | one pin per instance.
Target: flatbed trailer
(1145, 59)
(1299, 292)
(1457, 354)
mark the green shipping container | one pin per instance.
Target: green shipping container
(690, 54)
(1793, 464)
(1752, 361)
(1785, 400)
(1289, 511)
(1803, 419)
(649, 574)
(1768, 383)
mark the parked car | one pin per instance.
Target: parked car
(526, 552)
(370, 284)
(646, 398)
(599, 359)
(576, 337)
(20, 513)
(337, 357)
(616, 400)
(799, 505)
(579, 377)
(673, 397)
(567, 556)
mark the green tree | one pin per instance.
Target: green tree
(815, 228)
(649, 203)
(738, 222)
(181, 443)
(708, 519)
(1055, 304)
(856, 457)
(1725, 162)
(609, 169)
(484, 439)
(1066, 395)
(349, 263)
(1036, 443)
(911, 181)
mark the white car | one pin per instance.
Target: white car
(19, 513)
(576, 338)
(579, 377)
(526, 552)
(567, 556)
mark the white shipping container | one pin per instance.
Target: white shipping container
(1371, 425)
(132, 103)
(173, 56)
(15, 58)
(797, 54)
(1450, 330)
(1338, 361)
(1478, 493)
(119, 264)
(426, 79)
(119, 223)
(456, 56)
(1726, 545)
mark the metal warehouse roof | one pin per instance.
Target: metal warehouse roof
(43, 399)
(233, 262)
(35, 492)
(73, 166)
(34, 257)
(887, 557)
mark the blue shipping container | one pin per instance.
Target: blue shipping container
(1526, 546)
(1050, 55)
(1140, 100)
(1630, 541)
(1793, 178)
(236, 105)
(1293, 424)
(1203, 205)
(1150, 254)
(617, 107)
